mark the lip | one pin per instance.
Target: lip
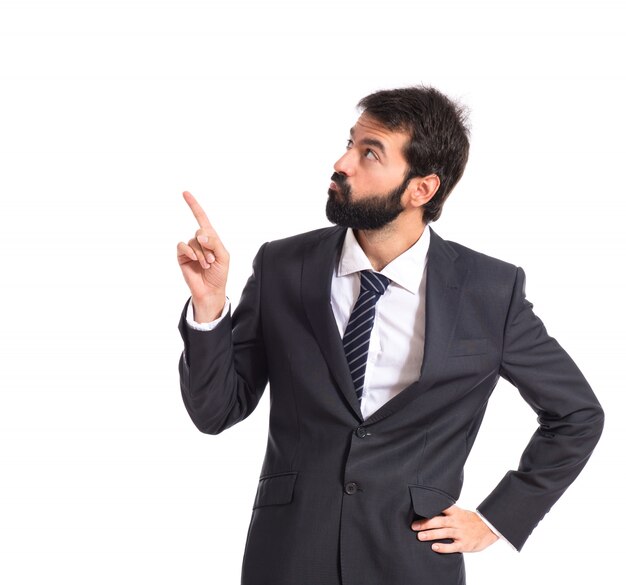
(334, 186)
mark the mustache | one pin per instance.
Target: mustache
(340, 180)
(342, 183)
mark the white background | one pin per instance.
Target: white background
(109, 110)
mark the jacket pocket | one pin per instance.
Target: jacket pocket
(428, 501)
(275, 489)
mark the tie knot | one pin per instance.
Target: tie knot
(374, 282)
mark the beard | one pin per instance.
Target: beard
(371, 213)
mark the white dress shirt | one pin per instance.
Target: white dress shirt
(396, 348)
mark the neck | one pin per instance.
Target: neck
(384, 245)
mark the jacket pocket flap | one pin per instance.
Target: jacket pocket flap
(275, 489)
(429, 502)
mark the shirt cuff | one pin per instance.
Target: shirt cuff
(206, 326)
(493, 529)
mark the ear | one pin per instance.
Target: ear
(423, 189)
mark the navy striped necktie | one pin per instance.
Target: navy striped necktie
(356, 339)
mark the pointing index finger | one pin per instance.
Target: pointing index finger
(197, 211)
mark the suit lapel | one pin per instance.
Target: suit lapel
(317, 271)
(444, 281)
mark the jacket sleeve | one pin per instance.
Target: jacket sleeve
(569, 416)
(223, 372)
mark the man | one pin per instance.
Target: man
(381, 343)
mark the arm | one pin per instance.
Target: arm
(569, 415)
(223, 372)
(222, 368)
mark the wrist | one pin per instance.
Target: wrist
(208, 308)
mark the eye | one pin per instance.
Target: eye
(349, 144)
(370, 154)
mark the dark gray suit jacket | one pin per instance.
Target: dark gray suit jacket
(337, 494)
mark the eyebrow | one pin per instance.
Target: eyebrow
(371, 142)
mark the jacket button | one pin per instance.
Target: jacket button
(361, 432)
(351, 488)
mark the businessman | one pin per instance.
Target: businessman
(381, 343)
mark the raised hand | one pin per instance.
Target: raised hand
(204, 263)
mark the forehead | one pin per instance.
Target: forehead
(369, 129)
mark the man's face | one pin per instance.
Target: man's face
(370, 179)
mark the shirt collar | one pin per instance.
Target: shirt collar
(406, 270)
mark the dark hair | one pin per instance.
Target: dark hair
(439, 130)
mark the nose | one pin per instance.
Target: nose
(345, 165)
